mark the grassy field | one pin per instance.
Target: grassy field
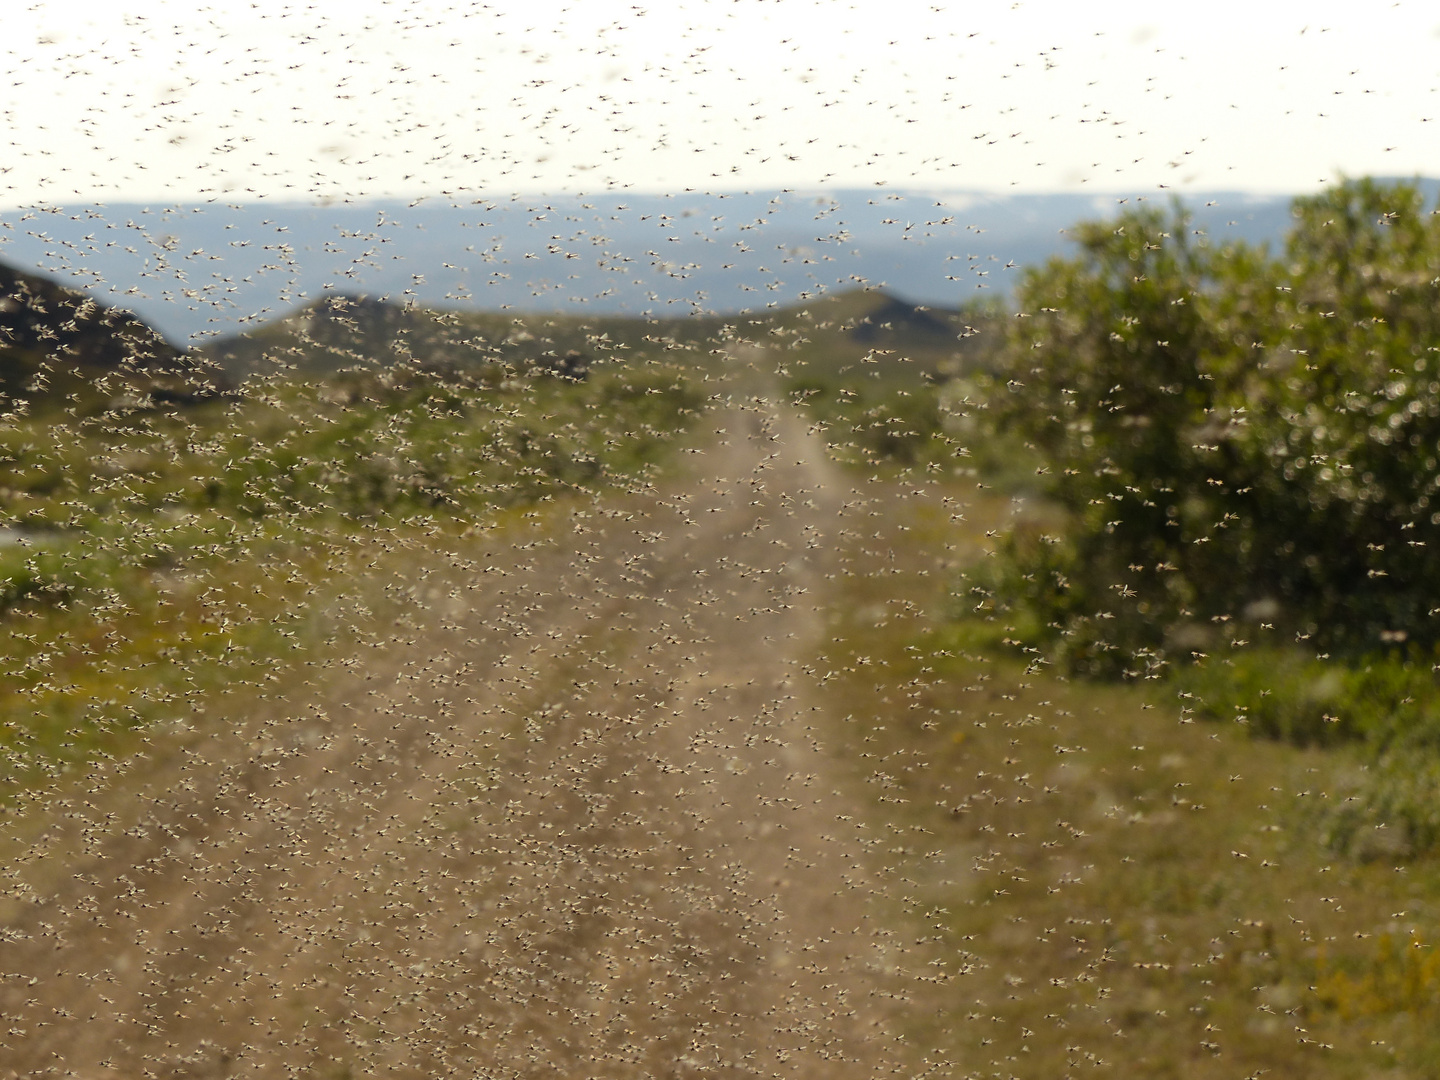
(158, 557)
(1103, 880)
(1170, 877)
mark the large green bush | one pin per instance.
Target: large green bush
(1243, 442)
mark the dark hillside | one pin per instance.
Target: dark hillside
(61, 348)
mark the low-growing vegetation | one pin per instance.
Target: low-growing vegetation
(1238, 450)
(1097, 878)
(154, 555)
(1239, 439)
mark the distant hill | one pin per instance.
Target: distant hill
(825, 336)
(61, 348)
(197, 272)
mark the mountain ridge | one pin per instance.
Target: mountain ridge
(200, 272)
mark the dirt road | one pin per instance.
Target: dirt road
(578, 819)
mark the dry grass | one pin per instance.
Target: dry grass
(1098, 881)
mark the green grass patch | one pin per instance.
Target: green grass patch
(159, 560)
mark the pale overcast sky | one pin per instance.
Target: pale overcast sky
(295, 101)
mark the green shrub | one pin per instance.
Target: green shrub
(1390, 702)
(1231, 432)
(1388, 706)
(1390, 809)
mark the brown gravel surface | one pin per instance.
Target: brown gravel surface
(578, 819)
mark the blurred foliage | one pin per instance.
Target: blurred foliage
(913, 405)
(1388, 802)
(1392, 703)
(354, 448)
(1401, 976)
(874, 425)
(1240, 448)
(1238, 438)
